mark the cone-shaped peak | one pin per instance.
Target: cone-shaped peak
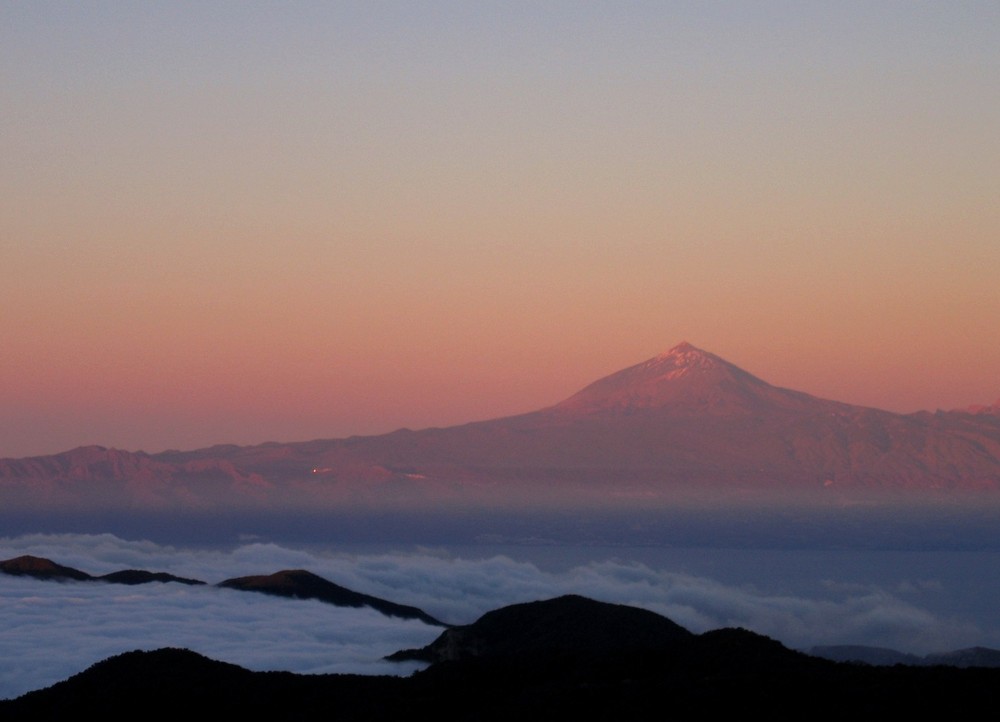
(680, 361)
(684, 355)
(684, 380)
(682, 348)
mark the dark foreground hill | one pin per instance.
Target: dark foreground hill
(573, 672)
(969, 657)
(568, 624)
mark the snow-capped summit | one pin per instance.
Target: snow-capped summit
(686, 351)
(683, 380)
(685, 420)
(685, 356)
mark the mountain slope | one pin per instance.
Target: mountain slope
(970, 657)
(300, 584)
(567, 624)
(686, 381)
(684, 420)
(295, 584)
(41, 568)
(651, 670)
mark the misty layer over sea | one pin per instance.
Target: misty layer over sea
(913, 600)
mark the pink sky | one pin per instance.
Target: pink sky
(238, 225)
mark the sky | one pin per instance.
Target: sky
(243, 221)
(906, 601)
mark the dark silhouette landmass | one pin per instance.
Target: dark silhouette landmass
(300, 584)
(296, 584)
(501, 670)
(569, 623)
(141, 576)
(970, 657)
(41, 568)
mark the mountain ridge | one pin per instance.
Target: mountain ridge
(302, 584)
(687, 380)
(631, 664)
(290, 583)
(685, 419)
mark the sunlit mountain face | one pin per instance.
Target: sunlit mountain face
(817, 521)
(684, 424)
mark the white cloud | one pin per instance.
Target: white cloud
(52, 630)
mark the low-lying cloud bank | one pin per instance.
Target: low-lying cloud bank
(52, 630)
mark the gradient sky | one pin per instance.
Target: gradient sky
(238, 222)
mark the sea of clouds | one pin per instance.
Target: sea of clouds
(52, 630)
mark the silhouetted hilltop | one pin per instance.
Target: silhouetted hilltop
(40, 568)
(300, 584)
(658, 671)
(141, 576)
(178, 683)
(565, 624)
(295, 583)
(971, 657)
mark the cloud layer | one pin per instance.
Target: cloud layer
(52, 630)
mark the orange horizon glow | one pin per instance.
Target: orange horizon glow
(316, 222)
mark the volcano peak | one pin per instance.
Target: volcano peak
(685, 356)
(684, 380)
(682, 348)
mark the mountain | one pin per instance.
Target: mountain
(570, 624)
(683, 422)
(685, 382)
(95, 477)
(41, 568)
(300, 584)
(133, 577)
(970, 657)
(593, 661)
(295, 584)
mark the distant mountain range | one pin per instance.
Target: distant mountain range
(300, 584)
(969, 657)
(563, 658)
(292, 583)
(515, 629)
(683, 423)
